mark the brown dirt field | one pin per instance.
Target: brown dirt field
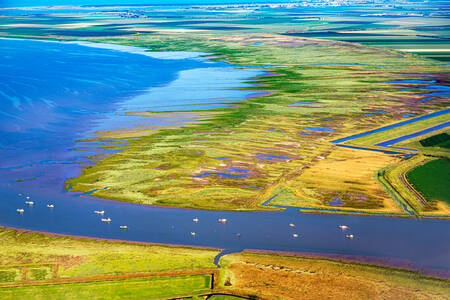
(289, 278)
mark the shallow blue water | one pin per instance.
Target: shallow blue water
(352, 137)
(263, 156)
(412, 135)
(39, 134)
(319, 129)
(411, 81)
(376, 150)
(72, 91)
(223, 175)
(306, 103)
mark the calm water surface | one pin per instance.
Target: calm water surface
(53, 94)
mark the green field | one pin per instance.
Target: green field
(431, 179)
(154, 288)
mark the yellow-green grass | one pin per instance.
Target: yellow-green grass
(80, 257)
(290, 277)
(151, 288)
(394, 193)
(347, 174)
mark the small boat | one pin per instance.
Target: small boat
(20, 195)
(20, 210)
(99, 212)
(106, 220)
(28, 197)
(292, 225)
(195, 220)
(349, 236)
(29, 202)
(223, 221)
(50, 206)
(295, 235)
(193, 233)
(238, 235)
(123, 227)
(343, 227)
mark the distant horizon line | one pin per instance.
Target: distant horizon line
(105, 3)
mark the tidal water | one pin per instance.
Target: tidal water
(53, 94)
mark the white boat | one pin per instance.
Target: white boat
(20, 195)
(99, 212)
(193, 233)
(195, 220)
(20, 210)
(106, 220)
(295, 235)
(50, 206)
(343, 227)
(292, 225)
(29, 202)
(28, 197)
(349, 236)
(223, 221)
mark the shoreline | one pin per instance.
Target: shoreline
(371, 261)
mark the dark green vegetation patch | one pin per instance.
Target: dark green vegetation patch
(441, 140)
(431, 179)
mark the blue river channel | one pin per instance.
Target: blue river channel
(54, 94)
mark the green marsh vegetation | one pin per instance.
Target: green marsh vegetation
(347, 81)
(167, 168)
